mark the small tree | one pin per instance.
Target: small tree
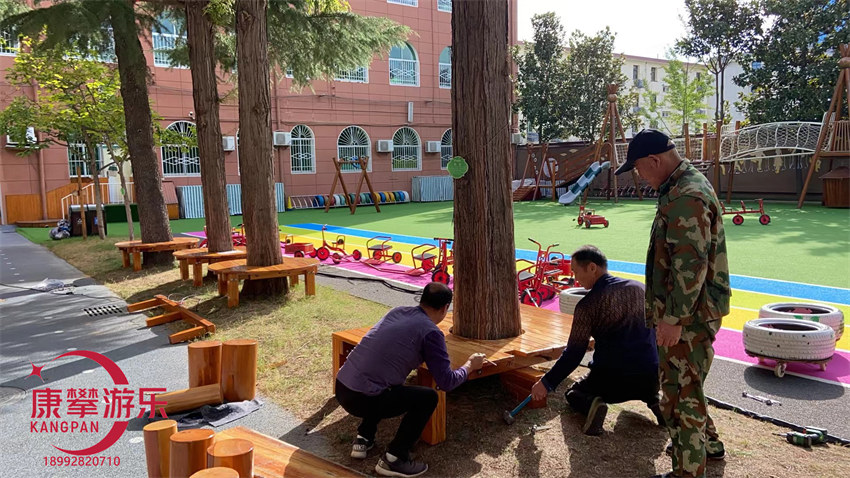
(591, 67)
(718, 33)
(791, 70)
(685, 99)
(541, 81)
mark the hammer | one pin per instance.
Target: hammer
(509, 415)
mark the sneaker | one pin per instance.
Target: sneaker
(595, 417)
(709, 455)
(656, 410)
(402, 468)
(669, 474)
(361, 446)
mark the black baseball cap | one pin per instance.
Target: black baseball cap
(648, 141)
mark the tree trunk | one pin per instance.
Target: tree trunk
(716, 95)
(205, 93)
(128, 211)
(147, 176)
(98, 194)
(255, 154)
(722, 104)
(486, 304)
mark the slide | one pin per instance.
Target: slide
(578, 187)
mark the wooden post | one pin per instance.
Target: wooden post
(190, 398)
(239, 370)
(729, 185)
(235, 453)
(189, 451)
(158, 447)
(705, 154)
(204, 363)
(718, 127)
(435, 429)
(687, 136)
(217, 472)
(80, 203)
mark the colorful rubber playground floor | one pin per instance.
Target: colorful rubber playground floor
(749, 293)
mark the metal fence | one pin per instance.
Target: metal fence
(404, 72)
(432, 188)
(192, 200)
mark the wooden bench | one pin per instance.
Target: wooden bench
(274, 458)
(518, 383)
(231, 272)
(136, 248)
(198, 256)
(174, 312)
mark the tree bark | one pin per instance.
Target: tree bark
(128, 211)
(201, 35)
(486, 304)
(147, 176)
(255, 155)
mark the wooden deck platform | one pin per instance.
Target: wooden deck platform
(136, 248)
(231, 272)
(199, 256)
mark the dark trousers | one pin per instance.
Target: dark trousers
(415, 403)
(613, 388)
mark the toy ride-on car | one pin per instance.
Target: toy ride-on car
(589, 217)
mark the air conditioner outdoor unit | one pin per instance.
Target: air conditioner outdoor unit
(228, 143)
(432, 147)
(385, 146)
(516, 138)
(30, 138)
(282, 138)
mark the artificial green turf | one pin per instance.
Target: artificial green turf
(811, 245)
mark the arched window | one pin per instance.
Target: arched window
(446, 68)
(181, 159)
(404, 65)
(353, 142)
(407, 150)
(166, 32)
(9, 43)
(302, 150)
(446, 149)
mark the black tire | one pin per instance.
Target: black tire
(396, 257)
(764, 219)
(441, 276)
(531, 297)
(738, 219)
(299, 254)
(356, 254)
(336, 257)
(323, 253)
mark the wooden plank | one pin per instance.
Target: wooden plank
(144, 305)
(184, 269)
(232, 291)
(274, 458)
(163, 319)
(186, 335)
(23, 207)
(435, 429)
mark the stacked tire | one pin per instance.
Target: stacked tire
(789, 339)
(570, 297)
(820, 313)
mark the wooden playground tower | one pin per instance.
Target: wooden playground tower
(363, 163)
(837, 144)
(611, 125)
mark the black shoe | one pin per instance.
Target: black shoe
(717, 455)
(656, 410)
(401, 468)
(669, 474)
(595, 417)
(361, 446)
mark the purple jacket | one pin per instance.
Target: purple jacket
(397, 344)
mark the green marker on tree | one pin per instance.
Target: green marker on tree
(457, 167)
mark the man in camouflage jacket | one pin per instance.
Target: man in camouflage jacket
(687, 294)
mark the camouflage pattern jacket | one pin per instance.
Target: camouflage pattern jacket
(687, 275)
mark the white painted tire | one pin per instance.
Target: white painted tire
(825, 314)
(570, 297)
(789, 339)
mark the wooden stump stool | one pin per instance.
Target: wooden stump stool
(204, 363)
(190, 398)
(189, 451)
(158, 447)
(239, 370)
(235, 453)
(217, 472)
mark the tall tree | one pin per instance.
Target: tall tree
(718, 33)
(685, 99)
(484, 233)
(791, 70)
(541, 80)
(591, 67)
(255, 158)
(104, 25)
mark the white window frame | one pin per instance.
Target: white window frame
(445, 70)
(165, 41)
(653, 74)
(10, 43)
(403, 66)
(356, 75)
(407, 3)
(301, 145)
(347, 153)
(77, 159)
(444, 6)
(186, 155)
(402, 152)
(446, 149)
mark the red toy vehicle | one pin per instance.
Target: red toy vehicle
(338, 247)
(738, 219)
(298, 249)
(380, 249)
(237, 235)
(445, 258)
(549, 274)
(589, 217)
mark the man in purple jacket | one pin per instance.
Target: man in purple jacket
(370, 384)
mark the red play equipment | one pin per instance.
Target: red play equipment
(445, 258)
(738, 219)
(237, 235)
(339, 253)
(588, 217)
(380, 250)
(549, 274)
(298, 249)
